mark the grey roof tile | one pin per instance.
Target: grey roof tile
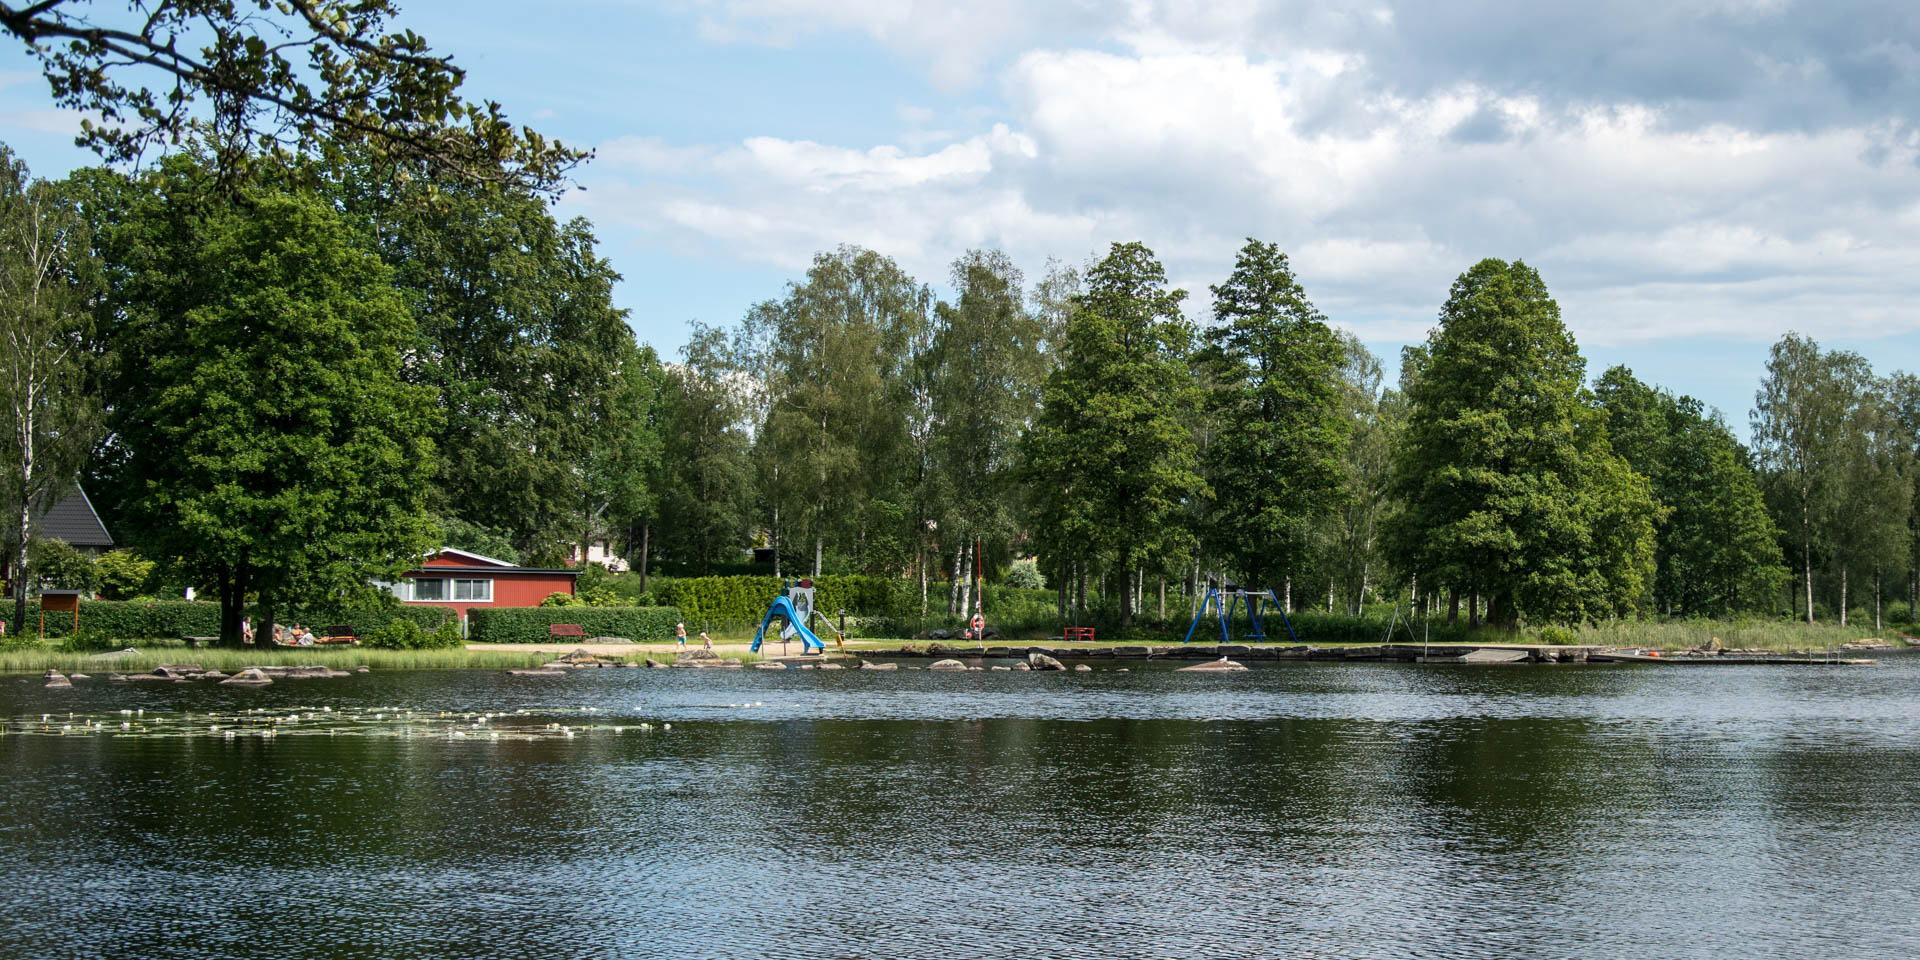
(73, 519)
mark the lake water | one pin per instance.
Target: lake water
(1296, 809)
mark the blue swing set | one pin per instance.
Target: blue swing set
(1224, 600)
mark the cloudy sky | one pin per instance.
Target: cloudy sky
(1692, 177)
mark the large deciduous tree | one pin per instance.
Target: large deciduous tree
(705, 476)
(46, 278)
(277, 451)
(1111, 454)
(988, 365)
(1510, 488)
(1800, 420)
(835, 360)
(545, 395)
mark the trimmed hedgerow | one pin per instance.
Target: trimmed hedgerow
(530, 624)
(722, 599)
(133, 619)
(173, 619)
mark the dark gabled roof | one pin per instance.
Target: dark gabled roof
(74, 520)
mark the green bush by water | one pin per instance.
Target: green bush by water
(407, 635)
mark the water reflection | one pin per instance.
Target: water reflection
(1296, 809)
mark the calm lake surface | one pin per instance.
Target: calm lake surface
(1298, 809)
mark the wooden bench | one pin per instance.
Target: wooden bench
(1078, 633)
(565, 630)
(338, 633)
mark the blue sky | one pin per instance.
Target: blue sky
(1692, 177)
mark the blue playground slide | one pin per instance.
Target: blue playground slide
(783, 607)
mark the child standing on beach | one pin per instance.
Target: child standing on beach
(680, 634)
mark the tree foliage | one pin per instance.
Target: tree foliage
(1274, 402)
(279, 452)
(47, 275)
(278, 80)
(1717, 549)
(1510, 486)
(1111, 456)
(705, 472)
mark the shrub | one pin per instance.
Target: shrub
(529, 624)
(404, 634)
(124, 575)
(1024, 574)
(1557, 635)
(60, 566)
(558, 599)
(89, 641)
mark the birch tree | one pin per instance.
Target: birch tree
(53, 416)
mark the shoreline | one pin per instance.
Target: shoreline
(477, 656)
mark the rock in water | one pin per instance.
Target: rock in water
(832, 666)
(879, 666)
(363, 668)
(1222, 665)
(55, 680)
(250, 677)
(537, 672)
(1082, 668)
(1040, 661)
(769, 665)
(946, 665)
(79, 676)
(1022, 665)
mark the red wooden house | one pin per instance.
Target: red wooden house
(462, 580)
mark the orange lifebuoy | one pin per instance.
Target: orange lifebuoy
(978, 621)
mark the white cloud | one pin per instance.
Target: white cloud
(1644, 226)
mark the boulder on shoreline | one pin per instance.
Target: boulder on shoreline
(1040, 661)
(1222, 665)
(250, 677)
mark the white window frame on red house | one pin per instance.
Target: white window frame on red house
(450, 589)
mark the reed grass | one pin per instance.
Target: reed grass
(1778, 635)
(43, 657)
(35, 659)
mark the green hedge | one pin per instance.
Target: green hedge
(529, 624)
(720, 599)
(173, 619)
(132, 619)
